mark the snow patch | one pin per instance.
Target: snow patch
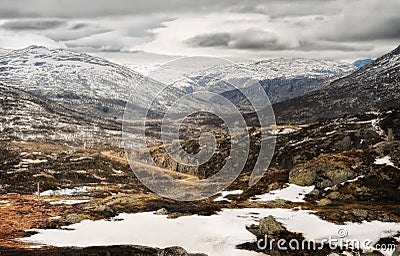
(293, 193)
(214, 235)
(227, 193)
(384, 160)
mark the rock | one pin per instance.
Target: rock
(344, 144)
(324, 202)
(327, 171)
(314, 192)
(279, 202)
(339, 175)
(302, 176)
(269, 226)
(360, 213)
(175, 215)
(335, 195)
(161, 211)
(103, 208)
(274, 186)
(173, 251)
(74, 218)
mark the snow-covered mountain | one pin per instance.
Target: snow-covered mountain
(373, 86)
(282, 79)
(79, 81)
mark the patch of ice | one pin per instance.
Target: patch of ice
(80, 159)
(353, 180)
(293, 193)
(227, 193)
(70, 202)
(214, 235)
(33, 161)
(65, 191)
(384, 160)
(330, 133)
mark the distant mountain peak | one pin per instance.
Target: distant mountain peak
(362, 63)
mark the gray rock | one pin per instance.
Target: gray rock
(335, 195)
(360, 213)
(74, 218)
(173, 251)
(344, 144)
(324, 202)
(314, 192)
(302, 176)
(338, 176)
(269, 226)
(161, 211)
(322, 174)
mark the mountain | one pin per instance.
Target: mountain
(361, 63)
(282, 79)
(374, 86)
(90, 85)
(26, 117)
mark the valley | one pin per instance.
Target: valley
(335, 165)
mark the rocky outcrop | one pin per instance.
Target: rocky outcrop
(325, 171)
(269, 226)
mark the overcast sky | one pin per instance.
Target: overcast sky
(253, 29)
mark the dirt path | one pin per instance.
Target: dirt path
(177, 175)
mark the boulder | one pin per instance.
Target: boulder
(161, 211)
(324, 202)
(325, 171)
(173, 251)
(335, 195)
(269, 226)
(302, 176)
(74, 218)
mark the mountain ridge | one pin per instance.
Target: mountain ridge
(372, 86)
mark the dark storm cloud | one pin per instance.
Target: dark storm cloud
(329, 46)
(79, 26)
(388, 28)
(210, 40)
(249, 39)
(261, 40)
(252, 39)
(32, 24)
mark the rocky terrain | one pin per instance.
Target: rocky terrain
(59, 166)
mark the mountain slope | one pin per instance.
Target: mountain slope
(25, 117)
(375, 85)
(81, 82)
(282, 79)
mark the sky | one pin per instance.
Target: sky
(238, 29)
